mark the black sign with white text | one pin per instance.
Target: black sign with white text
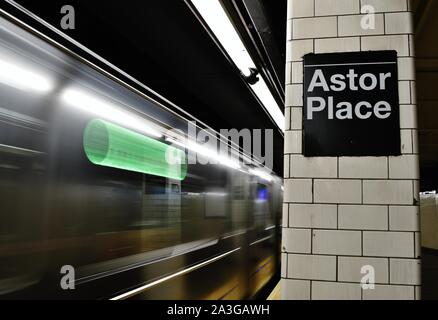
(351, 104)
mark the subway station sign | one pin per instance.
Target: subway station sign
(351, 104)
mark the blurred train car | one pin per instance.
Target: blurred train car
(83, 184)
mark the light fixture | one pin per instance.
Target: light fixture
(218, 21)
(261, 174)
(23, 78)
(195, 147)
(92, 104)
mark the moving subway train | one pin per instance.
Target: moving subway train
(94, 187)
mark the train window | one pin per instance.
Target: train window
(154, 185)
(262, 192)
(216, 204)
(175, 188)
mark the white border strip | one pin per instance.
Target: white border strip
(345, 64)
(171, 276)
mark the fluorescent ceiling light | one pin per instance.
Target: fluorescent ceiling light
(23, 78)
(215, 16)
(195, 147)
(92, 104)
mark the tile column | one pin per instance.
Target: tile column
(343, 213)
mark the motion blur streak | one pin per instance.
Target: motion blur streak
(122, 225)
(213, 155)
(14, 75)
(107, 110)
(179, 273)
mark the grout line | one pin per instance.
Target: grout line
(389, 222)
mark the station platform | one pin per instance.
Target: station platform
(276, 293)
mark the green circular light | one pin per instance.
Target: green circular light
(109, 145)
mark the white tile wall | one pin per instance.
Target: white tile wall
(388, 244)
(347, 212)
(297, 240)
(323, 27)
(284, 265)
(298, 190)
(416, 184)
(288, 73)
(411, 45)
(404, 218)
(406, 68)
(417, 245)
(313, 167)
(388, 192)
(363, 167)
(400, 43)
(360, 217)
(415, 141)
(404, 167)
(297, 72)
(389, 292)
(300, 8)
(285, 219)
(337, 242)
(408, 116)
(406, 141)
(404, 92)
(337, 45)
(294, 95)
(289, 37)
(296, 118)
(313, 216)
(295, 289)
(350, 269)
(417, 293)
(386, 5)
(311, 267)
(413, 91)
(286, 166)
(405, 271)
(299, 48)
(399, 22)
(410, 8)
(293, 142)
(351, 26)
(338, 191)
(335, 291)
(335, 7)
(287, 120)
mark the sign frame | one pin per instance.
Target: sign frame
(335, 132)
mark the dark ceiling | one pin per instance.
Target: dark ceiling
(163, 45)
